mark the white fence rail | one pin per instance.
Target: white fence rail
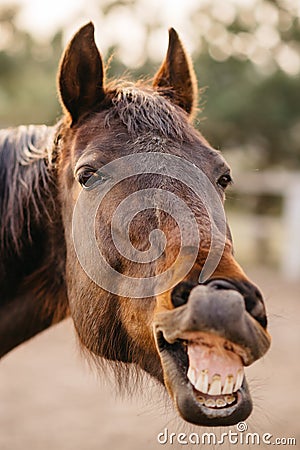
(286, 185)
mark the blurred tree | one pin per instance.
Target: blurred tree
(254, 89)
(27, 74)
(248, 57)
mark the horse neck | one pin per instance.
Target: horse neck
(32, 253)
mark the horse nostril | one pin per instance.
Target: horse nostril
(221, 284)
(252, 297)
(181, 292)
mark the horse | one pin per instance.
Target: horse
(114, 216)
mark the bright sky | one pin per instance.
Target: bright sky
(43, 17)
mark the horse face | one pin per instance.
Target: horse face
(138, 295)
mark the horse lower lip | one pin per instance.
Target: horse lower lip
(208, 415)
(175, 365)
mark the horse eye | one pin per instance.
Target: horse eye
(89, 178)
(224, 181)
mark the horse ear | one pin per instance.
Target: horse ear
(80, 75)
(176, 77)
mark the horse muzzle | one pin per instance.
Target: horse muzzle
(204, 345)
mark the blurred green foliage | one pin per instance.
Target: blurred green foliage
(249, 99)
(27, 74)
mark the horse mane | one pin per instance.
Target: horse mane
(25, 179)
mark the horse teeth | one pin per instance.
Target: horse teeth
(239, 380)
(201, 400)
(210, 403)
(228, 385)
(216, 386)
(229, 399)
(192, 375)
(220, 403)
(202, 382)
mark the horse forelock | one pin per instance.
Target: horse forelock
(142, 109)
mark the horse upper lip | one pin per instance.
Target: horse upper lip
(221, 313)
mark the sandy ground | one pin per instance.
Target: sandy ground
(50, 399)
